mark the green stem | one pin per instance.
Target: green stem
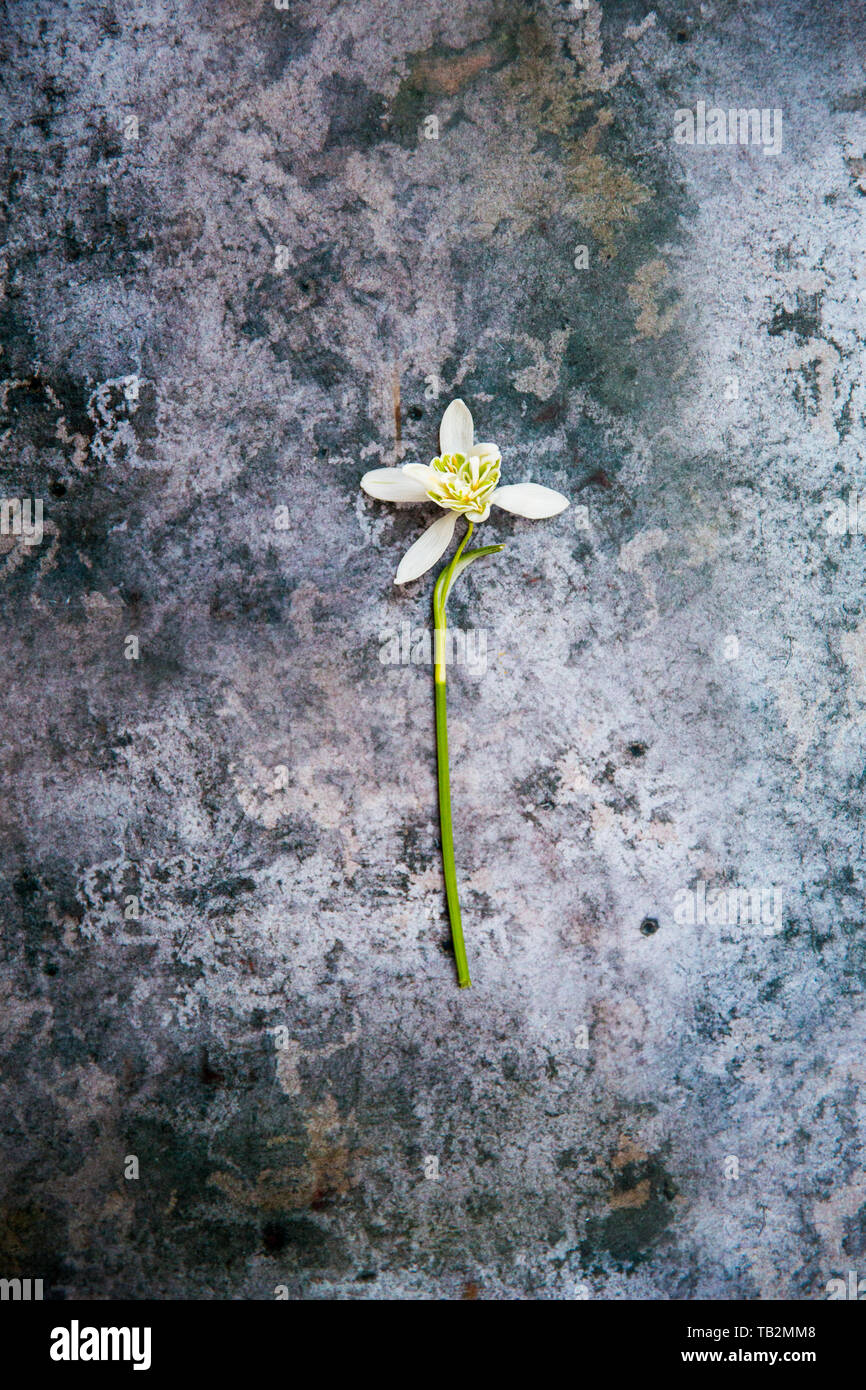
(440, 594)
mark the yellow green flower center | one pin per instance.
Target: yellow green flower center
(464, 484)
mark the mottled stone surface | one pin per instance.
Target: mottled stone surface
(277, 1038)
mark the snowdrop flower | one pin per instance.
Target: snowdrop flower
(464, 481)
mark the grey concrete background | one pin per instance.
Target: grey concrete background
(278, 1039)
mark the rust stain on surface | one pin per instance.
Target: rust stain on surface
(637, 1196)
(643, 292)
(446, 76)
(607, 197)
(324, 1177)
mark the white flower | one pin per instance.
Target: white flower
(463, 480)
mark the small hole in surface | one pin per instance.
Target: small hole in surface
(649, 926)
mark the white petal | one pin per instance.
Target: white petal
(484, 450)
(529, 499)
(456, 431)
(426, 551)
(421, 472)
(392, 485)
